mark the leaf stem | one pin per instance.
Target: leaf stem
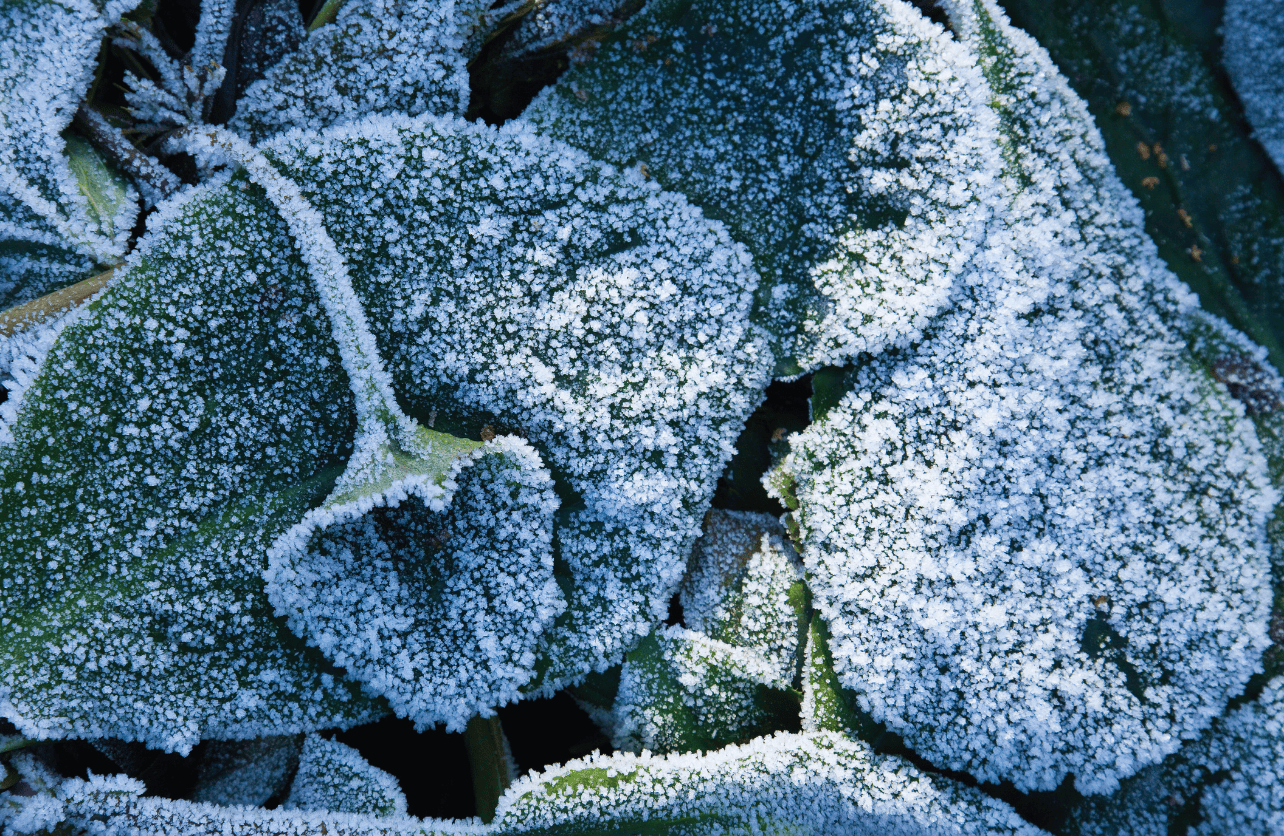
(29, 314)
(484, 739)
(326, 14)
(154, 180)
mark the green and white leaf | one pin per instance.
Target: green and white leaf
(511, 281)
(334, 777)
(744, 587)
(379, 56)
(860, 186)
(48, 50)
(35, 258)
(247, 773)
(1038, 536)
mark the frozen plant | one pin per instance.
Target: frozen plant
(383, 410)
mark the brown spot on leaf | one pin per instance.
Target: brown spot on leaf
(1249, 383)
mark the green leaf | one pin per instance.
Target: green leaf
(334, 777)
(200, 410)
(789, 783)
(740, 589)
(1151, 74)
(512, 283)
(47, 61)
(247, 773)
(681, 691)
(1225, 783)
(377, 57)
(856, 184)
(1038, 536)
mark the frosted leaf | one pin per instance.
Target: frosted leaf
(511, 281)
(247, 773)
(848, 146)
(47, 60)
(681, 690)
(1254, 57)
(1229, 782)
(35, 258)
(379, 56)
(200, 411)
(21, 356)
(432, 593)
(1038, 536)
(335, 777)
(788, 783)
(114, 806)
(552, 23)
(743, 587)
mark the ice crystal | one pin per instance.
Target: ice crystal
(1038, 536)
(377, 57)
(1254, 55)
(334, 777)
(47, 52)
(35, 258)
(860, 184)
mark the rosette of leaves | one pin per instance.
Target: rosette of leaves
(1037, 536)
(859, 185)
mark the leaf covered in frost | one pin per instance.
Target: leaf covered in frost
(379, 56)
(47, 59)
(1254, 55)
(1229, 782)
(246, 773)
(1037, 537)
(510, 281)
(332, 776)
(744, 587)
(175, 430)
(789, 783)
(838, 141)
(35, 258)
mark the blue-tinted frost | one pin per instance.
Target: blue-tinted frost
(332, 776)
(1038, 536)
(1253, 52)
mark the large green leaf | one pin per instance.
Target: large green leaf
(175, 430)
(860, 186)
(512, 283)
(1038, 536)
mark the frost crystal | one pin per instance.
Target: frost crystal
(1254, 54)
(859, 184)
(335, 777)
(47, 52)
(379, 56)
(1233, 776)
(35, 258)
(246, 773)
(1038, 535)
(433, 597)
(511, 281)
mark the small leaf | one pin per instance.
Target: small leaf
(334, 777)
(247, 773)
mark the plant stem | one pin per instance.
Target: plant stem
(50, 305)
(154, 180)
(484, 738)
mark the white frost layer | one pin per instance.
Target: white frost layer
(379, 56)
(1038, 536)
(800, 784)
(246, 773)
(21, 356)
(737, 587)
(1253, 53)
(847, 144)
(335, 777)
(432, 596)
(512, 277)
